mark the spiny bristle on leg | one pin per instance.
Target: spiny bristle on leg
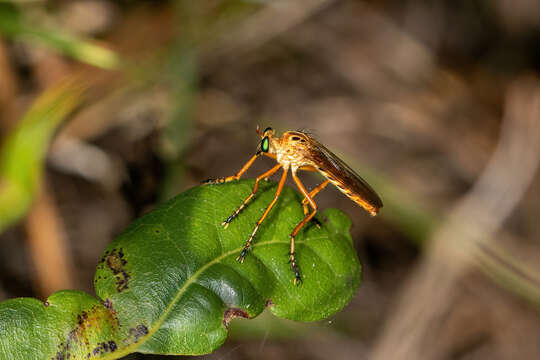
(240, 258)
(227, 221)
(247, 245)
(297, 278)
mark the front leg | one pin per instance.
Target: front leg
(233, 177)
(220, 180)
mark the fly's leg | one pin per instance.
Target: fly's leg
(268, 208)
(307, 218)
(233, 177)
(265, 175)
(312, 194)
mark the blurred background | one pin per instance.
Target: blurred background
(109, 107)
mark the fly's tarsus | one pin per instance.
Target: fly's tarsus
(213, 181)
(297, 278)
(242, 255)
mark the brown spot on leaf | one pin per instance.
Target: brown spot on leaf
(135, 333)
(108, 304)
(59, 356)
(116, 262)
(231, 313)
(104, 347)
(89, 324)
(112, 346)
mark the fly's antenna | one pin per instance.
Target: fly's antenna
(258, 131)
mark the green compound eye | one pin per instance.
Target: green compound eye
(265, 144)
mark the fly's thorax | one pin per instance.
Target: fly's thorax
(281, 153)
(292, 149)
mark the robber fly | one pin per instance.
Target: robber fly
(296, 150)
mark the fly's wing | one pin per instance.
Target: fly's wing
(344, 178)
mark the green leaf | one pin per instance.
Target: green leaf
(170, 283)
(23, 151)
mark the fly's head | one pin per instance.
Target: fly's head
(269, 142)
